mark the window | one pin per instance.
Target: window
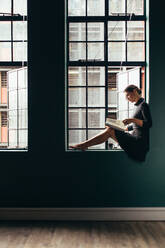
(13, 75)
(105, 52)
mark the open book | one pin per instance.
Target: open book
(116, 124)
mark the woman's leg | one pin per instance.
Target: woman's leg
(98, 139)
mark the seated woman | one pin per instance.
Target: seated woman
(136, 143)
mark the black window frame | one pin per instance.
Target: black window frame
(106, 64)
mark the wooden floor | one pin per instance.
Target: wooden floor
(48, 234)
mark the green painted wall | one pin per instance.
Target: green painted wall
(47, 176)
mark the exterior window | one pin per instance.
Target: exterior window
(13, 75)
(106, 51)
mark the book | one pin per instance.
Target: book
(116, 124)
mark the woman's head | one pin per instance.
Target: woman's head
(132, 93)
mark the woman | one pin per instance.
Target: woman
(135, 144)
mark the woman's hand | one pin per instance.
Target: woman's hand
(127, 121)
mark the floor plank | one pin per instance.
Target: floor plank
(47, 234)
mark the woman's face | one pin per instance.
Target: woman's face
(130, 96)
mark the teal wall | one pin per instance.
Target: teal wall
(47, 176)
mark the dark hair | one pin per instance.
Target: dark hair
(132, 87)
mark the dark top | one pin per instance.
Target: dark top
(136, 143)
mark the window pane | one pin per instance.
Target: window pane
(77, 32)
(12, 138)
(77, 118)
(136, 51)
(122, 114)
(12, 76)
(23, 135)
(116, 51)
(22, 79)
(135, 30)
(77, 51)
(96, 7)
(13, 99)
(76, 7)
(95, 31)
(13, 119)
(22, 98)
(92, 133)
(116, 7)
(23, 118)
(96, 51)
(96, 97)
(112, 98)
(20, 51)
(96, 76)
(20, 7)
(19, 30)
(116, 30)
(5, 30)
(77, 97)
(5, 51)
(77, 76)
(96, 118)
(135, 7)
(123, 103)
(5, 6)
(76, 136)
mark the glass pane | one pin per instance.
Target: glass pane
(22, 78)
(92, 133)
(23, 115)
(123, 103)
(136, 51)
(122, 114)
(77, 97)
(134, 76)
(23, 135)
(20, 7)
(12, 76)
(96, 51)
(12, 119)
(116, 51)
(12, 138)
(112, 98)
(95, 31)
(5, 30)
(96, 118)
(116, 30)
(122, 81)
(135, 7)
(76, 7)
(76, 136)
(13, 99)
(96, 97)
(96, 7)
(96, 76)
(5, 51)
(135, 30)
(5, 6)
(116, 7)
(19, 30)
(77, 51)
(20, 51)
(22, 98)
(77, 31)
(76, 76)
(77, 118)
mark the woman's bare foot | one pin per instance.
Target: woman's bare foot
(79, 147)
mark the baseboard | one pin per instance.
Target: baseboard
(83, 214)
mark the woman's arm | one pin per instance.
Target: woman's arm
(133, 120)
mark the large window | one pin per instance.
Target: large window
(13, 74)
(106, 51)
